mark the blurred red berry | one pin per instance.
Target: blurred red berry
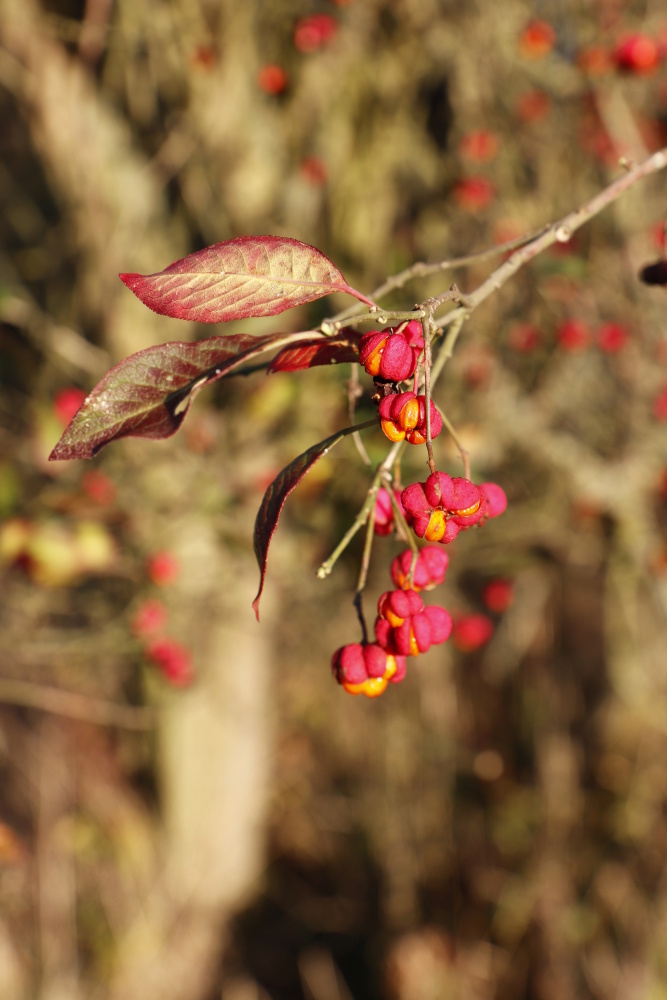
(98, 487)
(66, 404)
(314, 31)
(660, 406)
(537, 39)
(313, 170)
(272, 79)
(611, 337)
(523, 338)
(496, 500)
(573, 335)
(532, 106)
(480, 146)
(637, 54)
(149, 618)
(498, 595)
(658, 234)
(473, 194)
(384, 511)
(163, 568)
(594, 60)
(203, 57)
(173, 660)
(471, 632)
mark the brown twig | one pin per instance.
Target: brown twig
(557, 232)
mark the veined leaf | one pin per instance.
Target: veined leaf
(149, 393)
(273, 501)
(311, 353)
(249, 276)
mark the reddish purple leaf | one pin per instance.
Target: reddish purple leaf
(249, 276)
(273, 501)
(312, 353)
(149, 393)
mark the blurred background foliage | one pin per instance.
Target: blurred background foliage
(495, 827)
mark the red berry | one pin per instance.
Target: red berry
(384, 511)
(272, 79)
(611, 337)
(524, 337)
(637, 54)
(440, 507)
(660, 406)
(403, 416)
(313, 170)
(498, 595)
(537, 40)
(480, 146)
(532, 106)
(594, 60)
(496, 501)
(390, 354)
(173, 660)
(473, 194)
(366, 668)
(314, 31)
(149, 618)
(471, 632)
(98, 487)
(67, 403)
(405, 627)
(163, 568)
(573, 335)
(429, 572)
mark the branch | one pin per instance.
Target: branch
(557, 232)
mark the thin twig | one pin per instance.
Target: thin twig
(426, 327)
(465, 457)
(358, 523)
(423, 270)
(353, 393)
(557, 232)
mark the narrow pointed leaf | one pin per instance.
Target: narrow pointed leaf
(149, 393)
(273, 501)
(249, 276)
(312, 353)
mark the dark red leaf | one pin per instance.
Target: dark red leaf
(312, 353)
(273, 501)
(249, 276)
(149, 393)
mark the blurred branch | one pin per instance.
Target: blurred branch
(74, 706)
(558, 232)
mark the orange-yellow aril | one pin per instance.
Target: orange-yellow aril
(372, 687)
(392, 667)
(408, 418)
(374, 359)
(437, 526)
(468, 510)
(391, 431)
